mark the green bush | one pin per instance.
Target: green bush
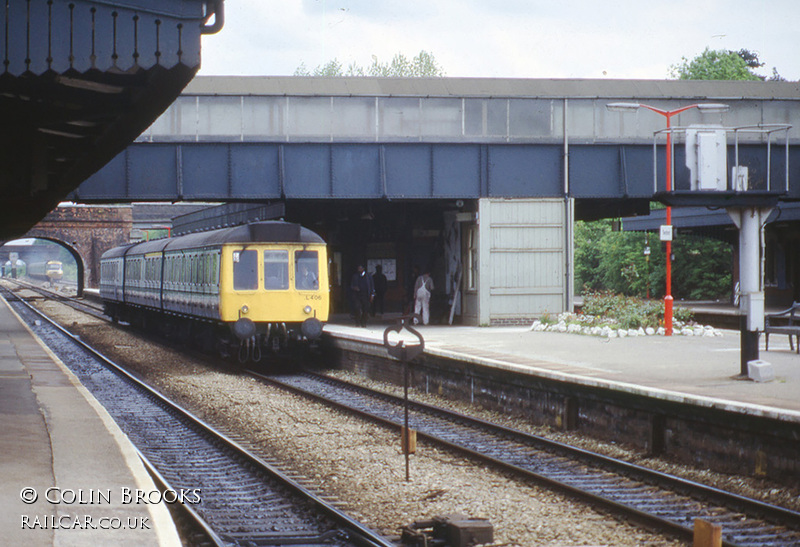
(684, 315)
(628, 312)
(607, 260)
(548, 319)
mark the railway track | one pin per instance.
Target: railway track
(653, 498)
(83, 305)
(650, 497)
(235, 497)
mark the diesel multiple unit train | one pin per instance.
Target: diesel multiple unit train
(247, 289)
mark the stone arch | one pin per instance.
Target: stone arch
(91, 230)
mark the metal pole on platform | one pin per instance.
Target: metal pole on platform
(750, 220)
(668, 301)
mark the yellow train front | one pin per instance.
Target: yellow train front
(247, 289)
(51, 271)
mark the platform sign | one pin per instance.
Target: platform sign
(665, 232)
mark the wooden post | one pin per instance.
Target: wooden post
(409, 441)
(707, 534)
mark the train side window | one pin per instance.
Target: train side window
(306, 270)
(245, 270)
(276, 270)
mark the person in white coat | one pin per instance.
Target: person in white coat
(422, 296)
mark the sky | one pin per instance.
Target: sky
(628, 39)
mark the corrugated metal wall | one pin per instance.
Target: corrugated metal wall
(522, 256)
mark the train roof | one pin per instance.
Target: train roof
(257, 232)
(117, 252)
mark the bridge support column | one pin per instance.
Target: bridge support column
(750, 221)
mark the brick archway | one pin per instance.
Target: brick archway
(86, 232)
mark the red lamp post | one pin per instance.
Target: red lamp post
(668, 114)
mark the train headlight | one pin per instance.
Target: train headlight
(308, 309)
(245, 309)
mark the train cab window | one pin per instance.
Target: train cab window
(306, 270)
(245, 270)
(276, 270)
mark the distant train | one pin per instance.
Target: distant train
(247, 289)
(52, 270)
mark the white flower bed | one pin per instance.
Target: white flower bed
(583, 324)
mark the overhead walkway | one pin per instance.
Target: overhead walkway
(306, 138)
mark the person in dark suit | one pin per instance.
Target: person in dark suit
(362, 292)
(380, 284)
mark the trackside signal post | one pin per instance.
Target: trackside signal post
(405, 353)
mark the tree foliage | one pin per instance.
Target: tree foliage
(702, 268)
(718, 65)
(608, 260)
(422, 65)
(723, 65)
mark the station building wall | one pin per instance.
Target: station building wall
(523, 261)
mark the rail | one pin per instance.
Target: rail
(246, 500)
(656, 499)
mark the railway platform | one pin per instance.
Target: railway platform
(68, 475)
(687, 369)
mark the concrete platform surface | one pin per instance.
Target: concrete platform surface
(64, 463)
(700, 370)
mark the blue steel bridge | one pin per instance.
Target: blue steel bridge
(300, 138)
